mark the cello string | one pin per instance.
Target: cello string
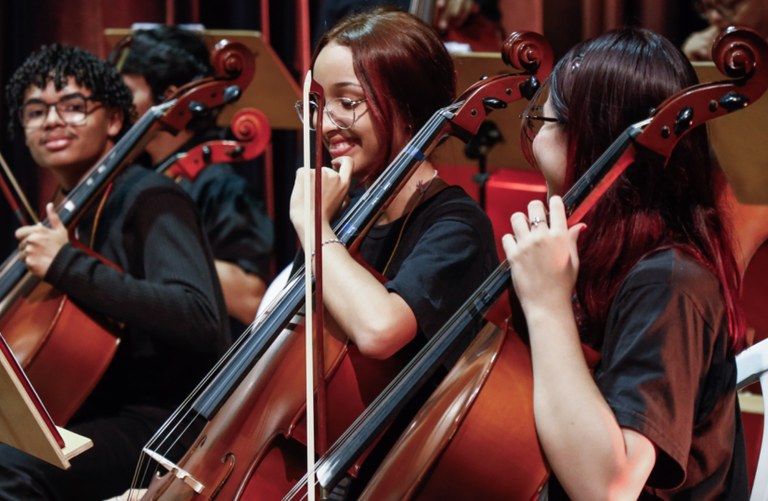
(165, 440)
(174, 429)
(258, 322)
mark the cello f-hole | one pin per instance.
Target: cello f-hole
(230, 458)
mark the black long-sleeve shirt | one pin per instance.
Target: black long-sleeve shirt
(165, 292)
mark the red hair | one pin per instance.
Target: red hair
(403, 67)
(597, 90)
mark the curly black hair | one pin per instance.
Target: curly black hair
(167, 56)
(55, 63)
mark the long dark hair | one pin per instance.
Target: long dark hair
(597, 90)
(403, 67)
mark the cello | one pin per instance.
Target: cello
(485, 403)
(251, 408)
(65, 364)
(252, 133)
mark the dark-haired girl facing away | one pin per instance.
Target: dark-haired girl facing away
(655, 283)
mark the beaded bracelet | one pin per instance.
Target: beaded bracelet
(330, 241)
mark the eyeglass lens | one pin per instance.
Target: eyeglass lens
(71, 109)
(534, 120)
(529, 126)
(340, 111)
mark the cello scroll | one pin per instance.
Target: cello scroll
(252, 135)
(525, 51)
(739, 53)
(235, 66)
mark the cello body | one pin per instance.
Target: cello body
(478, 426)
(38, 329)
(254, 448)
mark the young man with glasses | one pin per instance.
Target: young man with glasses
(71, 108)
(720, 14)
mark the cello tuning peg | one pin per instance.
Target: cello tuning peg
(235, 152)
(733, 101)
(529, 88)
(198, 109)
(232, 94)
(492, 103)
(683, 120)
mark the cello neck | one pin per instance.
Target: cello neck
(14, 275)
(71, 208)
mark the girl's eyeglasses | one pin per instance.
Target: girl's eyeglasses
(532, 124)
(342, 111)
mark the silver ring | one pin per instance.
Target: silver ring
(536, 221)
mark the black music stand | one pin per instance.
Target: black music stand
(497, 145)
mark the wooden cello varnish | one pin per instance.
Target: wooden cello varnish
(475, 437)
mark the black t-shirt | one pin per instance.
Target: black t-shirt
(444, 253)
(434, 258)
(165, 291)
(234, 218)
(666, 372)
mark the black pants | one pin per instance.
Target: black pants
(104, 471)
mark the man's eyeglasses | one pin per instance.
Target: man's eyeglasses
(72, 109)
(342, 111)
(725, 8)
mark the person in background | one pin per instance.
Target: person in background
(475, 22)
(156, 64)
(720, 14)
(656, 286)
(160, 283)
